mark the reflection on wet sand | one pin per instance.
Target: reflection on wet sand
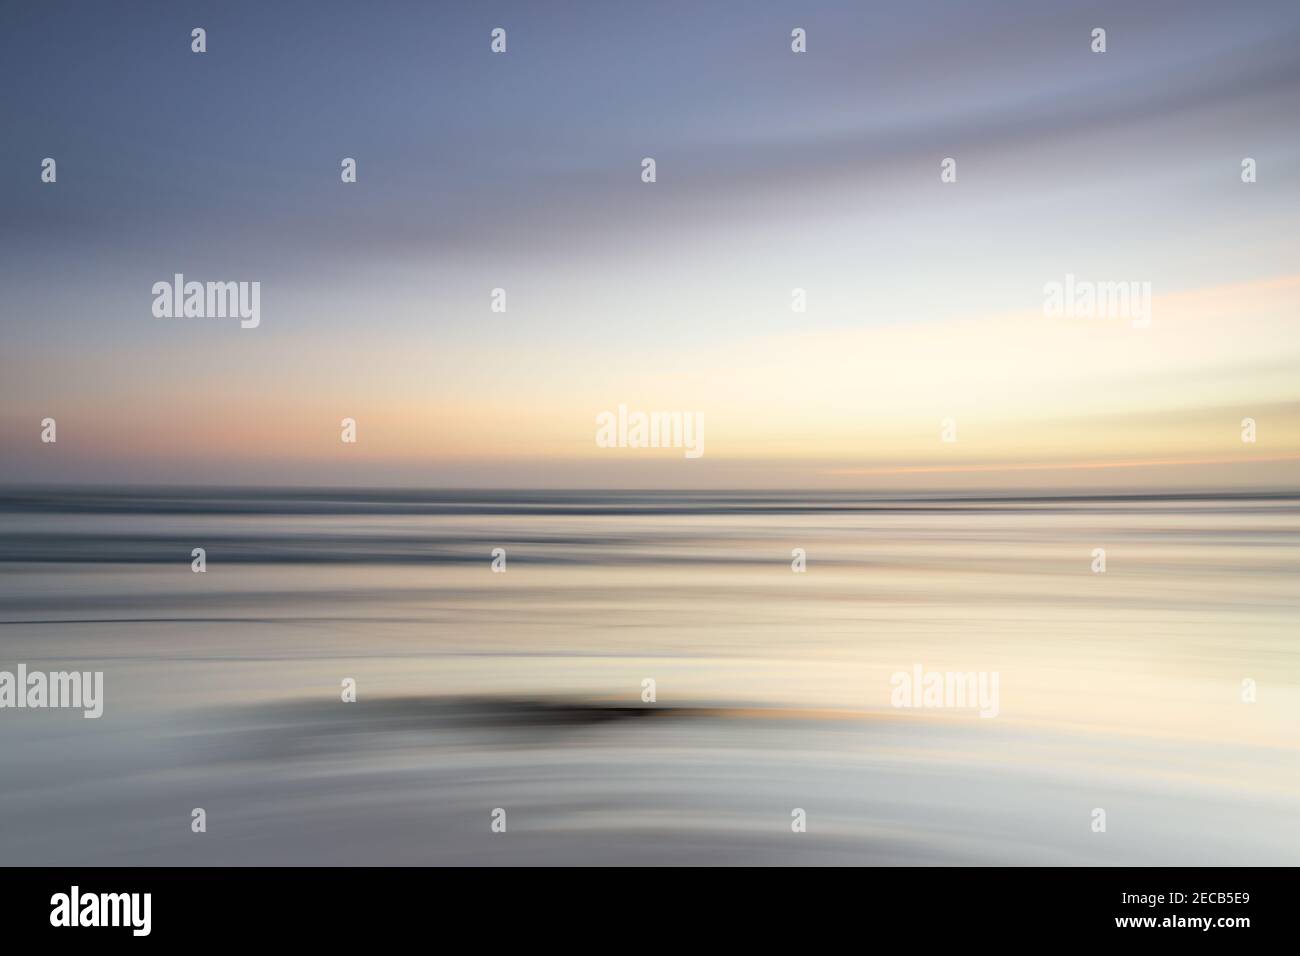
(525, 690)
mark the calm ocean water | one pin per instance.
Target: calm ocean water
(522, 690)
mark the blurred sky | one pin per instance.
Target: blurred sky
(775, 171)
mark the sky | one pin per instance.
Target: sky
(775, 171)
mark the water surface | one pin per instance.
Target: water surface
(522, 690)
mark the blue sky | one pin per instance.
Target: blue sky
(476, 171)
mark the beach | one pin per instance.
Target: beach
(524, 689)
